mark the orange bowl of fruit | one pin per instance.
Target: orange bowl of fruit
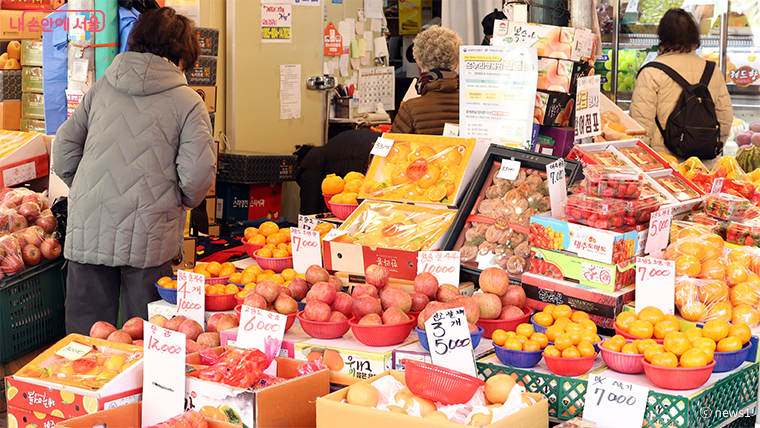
(215, 272)
(221, 297)
(342, 211)
(649, 323)
(277, 260)
(167, 289)
(678, 378)
(626, 359)
(250, 249)
(568, 366)
(268, 235)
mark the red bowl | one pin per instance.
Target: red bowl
(622, 363)
(342, 211)
(275, 264)
(507, 325)
(220, 302)
(323, 330)
(678, 378)
(327, 199)
(632, 337)
(288, 323)
(382, 335)
(439, 383)
(251, 249)
(570, 367)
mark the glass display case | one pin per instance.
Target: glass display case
(730, 36)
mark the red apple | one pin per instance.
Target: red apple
(17, 222)
(33, 197)
(134, 327)
(120, 336)
(12, 264)
(515, 296)
(13, 198)
(377, 275)
(31, 255)
(51, 248)
(34, 235)
(30, 211)
(10, 244)
(158, 320)
(102, 330)
(47, 223)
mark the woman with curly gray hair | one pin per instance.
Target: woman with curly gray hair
(436, 51)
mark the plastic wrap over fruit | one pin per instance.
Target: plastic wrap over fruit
(691, 166)
(725, 206)
(189, 419)
(310, 367)
(728, 167)
(393, 225)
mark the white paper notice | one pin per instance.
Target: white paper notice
(276, 23)
(257, 327)
(368, 40)
(163, 374)
(381, 47)
(306, 2)
(290, 91)
(365, 59)
(497, 93)
(373, 8)
(587, 120)
(655, 284)
(191, 295)
(614, 403)
(509, 169)
(382, 147)
(555, 173)
(360, 15)
(345, 30)
(450, 342)
(376, 85)
(359, 27)
(450, 130)
(444, 265)
(377, 25)
(344, 64)
(306, 249)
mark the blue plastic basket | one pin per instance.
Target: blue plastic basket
(727, 361)
(168, 294)
(538, 328)
(474, 338)
(520, 359)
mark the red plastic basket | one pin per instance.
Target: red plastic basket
(327, 199)
(631, 337)
(251, 249)
(381, 335)
(323, 330)
(289, 323)
(507, 325)
(678, 378)
(622, 363)
(275, 264)
(342, 211)
(222, 280)
(220, 302)
(570, 367)
(438, 383)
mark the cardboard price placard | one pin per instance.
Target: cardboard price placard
(555, 175)
(258, 327)
(450, 342)
(659, 232)
(655, 284)
(444, 265)
(307, 249)
(163, 374)
(614, 403)
(191, 295)
(587, 120)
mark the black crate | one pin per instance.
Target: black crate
(204, 72)
(573, 172)
(10, 85)
(238, 168)
(209, 41)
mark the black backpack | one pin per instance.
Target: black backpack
(692, 128)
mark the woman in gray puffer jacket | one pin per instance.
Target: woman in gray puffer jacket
(136, 153)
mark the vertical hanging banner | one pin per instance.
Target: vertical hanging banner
(497, 93)
(587, 120)
(276, 23)
(333, 41)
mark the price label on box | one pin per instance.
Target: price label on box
(659, 232)
(717, 185)
(19, 174)
(307, 223)
(259, 327)
(450, 342)
(655, 284)
(163, 374)
(509, 169)
(587, 120)
(74, 350)
(444, 265)
(307, 249)
(595, 273)
(555, 174)
(382, 147)
(614, 403)
(191, 295)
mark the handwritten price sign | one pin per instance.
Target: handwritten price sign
(509, 169)
(449, 341)
(307, 223)
(163, 374)
(307, 249)
(382, 147)
(257, 327)
(655, 284)
(659, 232)
(612, 402)
(444, 265)
(555, 174)
(191, 295)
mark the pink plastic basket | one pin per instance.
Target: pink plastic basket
(622, 363)
(678, 378)
(251, 249)
(289, 323)
(569, 367)
(220, 302)
(275, 264)
(438, 383)
(632, 337)
(342, 211)
(507, 325)
(323, 330)
(382, 335)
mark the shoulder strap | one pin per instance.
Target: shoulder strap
(707, 74)
(670, 72)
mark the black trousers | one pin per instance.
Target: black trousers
(93, 292)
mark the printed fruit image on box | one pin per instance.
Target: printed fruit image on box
(418, 168)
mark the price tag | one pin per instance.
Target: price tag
(449, 341)
(19, 174)
(450, 130)
(163, 374)
(259, 327)
(659, 232)
(74, 351)
(334, 233)
(595, 273)
(655, 284)
(191, 295)
(587, 120)
(555, 174)
(614, 403)
(509, 169)
(382, 147)
(717, 185)
(307, 223)
(307, 250)
(444, 265)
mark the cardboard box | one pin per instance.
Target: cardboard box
(241, 202)
(208, 94)
(290, 403)
(10, 85)
(204, 72)
(333, 413)
(632, 127)
(574, 44)
(31, 79)
(214, 229)
(599, 245)
(186, 260)
(31, 125)
(601, 305)
(209, 41)
(31, 53)
(10, 115)
(124, 416)
(22, 24)
(27, 160)
(32, 106)
(352, 360)
(554, 109)
(211, 209)
(611, 277)
(162, 307)
(251, 168)
(415, 351)
(554, 140)
(289, 340)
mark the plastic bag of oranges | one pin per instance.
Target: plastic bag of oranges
(701, 300)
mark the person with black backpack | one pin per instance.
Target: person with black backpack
(681, 99)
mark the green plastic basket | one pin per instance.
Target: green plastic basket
(31, 309)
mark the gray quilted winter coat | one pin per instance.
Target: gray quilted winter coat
(136, 149)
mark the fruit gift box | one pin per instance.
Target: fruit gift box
(422, 169)
(725, 206)
(76, 376)
(554, 109)
(386, 233)
(561, 75)
(550, 41)
(492, 224)
(610, 277)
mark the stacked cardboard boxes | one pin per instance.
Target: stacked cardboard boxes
(33, 111)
